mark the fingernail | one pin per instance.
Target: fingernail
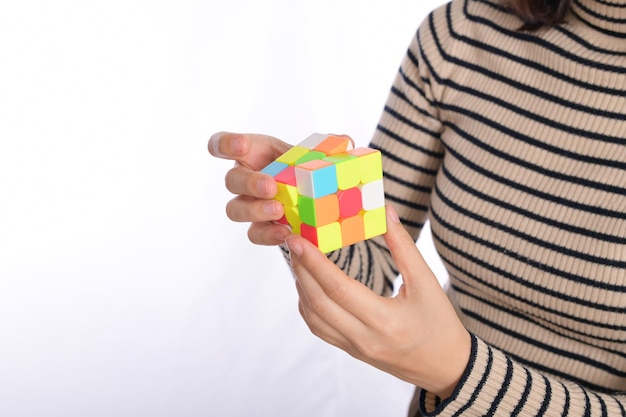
(294, 246)
(269, 208)
(392, 214)
(214, 143)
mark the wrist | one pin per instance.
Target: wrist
(450, 365)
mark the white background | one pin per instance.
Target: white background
(124, 289)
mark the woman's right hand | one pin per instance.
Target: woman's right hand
(254, 191)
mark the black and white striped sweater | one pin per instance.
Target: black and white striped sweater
(513, 144)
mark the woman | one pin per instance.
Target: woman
(506, 126)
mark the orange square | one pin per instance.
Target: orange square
(333, 145)
(352, 230)
(327, 209)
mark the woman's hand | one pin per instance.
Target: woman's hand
(254, 190)
(415, 336)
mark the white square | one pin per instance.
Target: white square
(373, 195)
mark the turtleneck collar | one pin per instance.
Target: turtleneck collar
(606, 16)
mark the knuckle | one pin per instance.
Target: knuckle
(315, 330)
(370, 350)
(250, 182)
(317, 306)
(243, 209)
(243, 181)
(312, 321)
(314, 310)
(337, 292)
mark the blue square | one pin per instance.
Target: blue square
(324, 181)
(274, 168)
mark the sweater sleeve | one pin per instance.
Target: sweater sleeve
(496, 385)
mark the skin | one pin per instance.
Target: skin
(253, 189)
(415, 336)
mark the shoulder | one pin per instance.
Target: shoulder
(463, 19)
(463, 27)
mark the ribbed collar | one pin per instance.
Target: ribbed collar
(606, 16)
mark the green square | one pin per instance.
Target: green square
(310, 156)
(306, 205)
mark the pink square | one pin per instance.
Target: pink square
(287, 176)
(350, 203)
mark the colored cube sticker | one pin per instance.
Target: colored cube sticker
(332, 193)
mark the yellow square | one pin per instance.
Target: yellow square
(287, 194)
(293, 217)
(348, 170)
(375, 222)
(329, 237)
(371, 164)
(292, 155)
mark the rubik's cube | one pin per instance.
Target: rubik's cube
(332, 193)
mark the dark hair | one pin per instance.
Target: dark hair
(538, 13)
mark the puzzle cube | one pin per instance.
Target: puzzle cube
(332, 193)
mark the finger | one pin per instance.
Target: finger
(228, 145)
(319, 274)
(407, 257)
(244, 181)
(326, 318)
(250, 150)
(268, 233)
(327, 333)
(318, 326)
(247, 209)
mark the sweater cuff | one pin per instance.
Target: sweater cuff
(480, 384)
(493, 384)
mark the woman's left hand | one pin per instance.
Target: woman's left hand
(415, 336)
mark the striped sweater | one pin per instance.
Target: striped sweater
(513, 145)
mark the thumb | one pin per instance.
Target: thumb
(407, 257)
